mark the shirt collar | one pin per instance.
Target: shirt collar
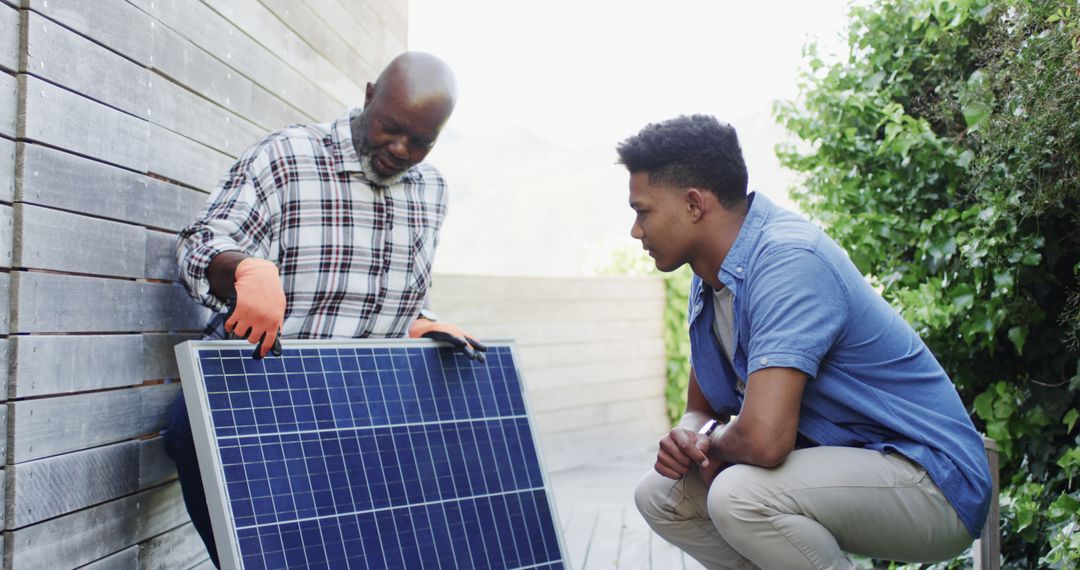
(348, 160)
(734, 265)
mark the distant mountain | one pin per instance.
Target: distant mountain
(523, 205)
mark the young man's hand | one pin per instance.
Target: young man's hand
(680, 450)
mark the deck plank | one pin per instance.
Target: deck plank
(634, 547)
(578, 534)
(604, 547)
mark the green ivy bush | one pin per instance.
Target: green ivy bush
(944, 154)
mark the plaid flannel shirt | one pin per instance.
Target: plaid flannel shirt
(355, 257)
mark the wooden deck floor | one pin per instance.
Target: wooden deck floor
(601, 527)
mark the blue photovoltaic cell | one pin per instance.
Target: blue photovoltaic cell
(400, 457)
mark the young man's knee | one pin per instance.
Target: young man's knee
(650, 496)
(734, 499)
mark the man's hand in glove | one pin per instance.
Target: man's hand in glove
(260, 303)
(445, 332)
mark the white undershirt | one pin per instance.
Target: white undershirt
(724, 328)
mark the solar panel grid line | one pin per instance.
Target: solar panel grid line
(431, 492)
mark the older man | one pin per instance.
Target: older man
(324, 231)
(849, 436)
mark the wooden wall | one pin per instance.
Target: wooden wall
(591, 351)
(116, 118)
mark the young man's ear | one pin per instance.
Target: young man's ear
(695, 203)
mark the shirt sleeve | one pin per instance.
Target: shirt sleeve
(798, 308)
(236, 217)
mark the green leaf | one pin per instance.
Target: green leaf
(1018, 335)
(1070, 419)
(975, 113)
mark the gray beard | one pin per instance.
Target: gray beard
(356, 127)
(373, 175)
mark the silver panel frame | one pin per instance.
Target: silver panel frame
(206, 448)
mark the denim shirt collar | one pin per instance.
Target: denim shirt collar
(733, 269)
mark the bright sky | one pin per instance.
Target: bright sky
(583, 75)
(595, 71)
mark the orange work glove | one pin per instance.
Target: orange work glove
(448, 333)
(260, 304)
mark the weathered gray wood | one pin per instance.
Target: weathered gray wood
(9, 38)
(7, 232)
(331, 31)
(5, 368)
(386, 28)
(61, 241)
(51, 426)
(113, 23)
(3, 493)
(207, 29)
(48, 302)
(204, 565)
(72, 122)
(5, 301)
(184, 112)
(56, 364)
(4, 443)
(178, 548)
(49, 177)
(96, 73)
(90, 534)
(88, 477)
(253, 19)
(181, 159)
(126, 559)
(160, 256)
(177, 58)
(155, 466)
(8, 104)
(7, 170)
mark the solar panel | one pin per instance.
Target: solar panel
(368, 454)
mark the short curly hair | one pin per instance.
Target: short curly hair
(690, 151)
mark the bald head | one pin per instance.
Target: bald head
(404, 112)
(419, 78)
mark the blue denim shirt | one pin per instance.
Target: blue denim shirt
(801, 303)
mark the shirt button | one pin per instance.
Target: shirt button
(738, 270)
(764, 360)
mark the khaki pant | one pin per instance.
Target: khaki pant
(806, 513)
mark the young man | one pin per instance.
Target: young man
(849, 436)
(324, 231)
